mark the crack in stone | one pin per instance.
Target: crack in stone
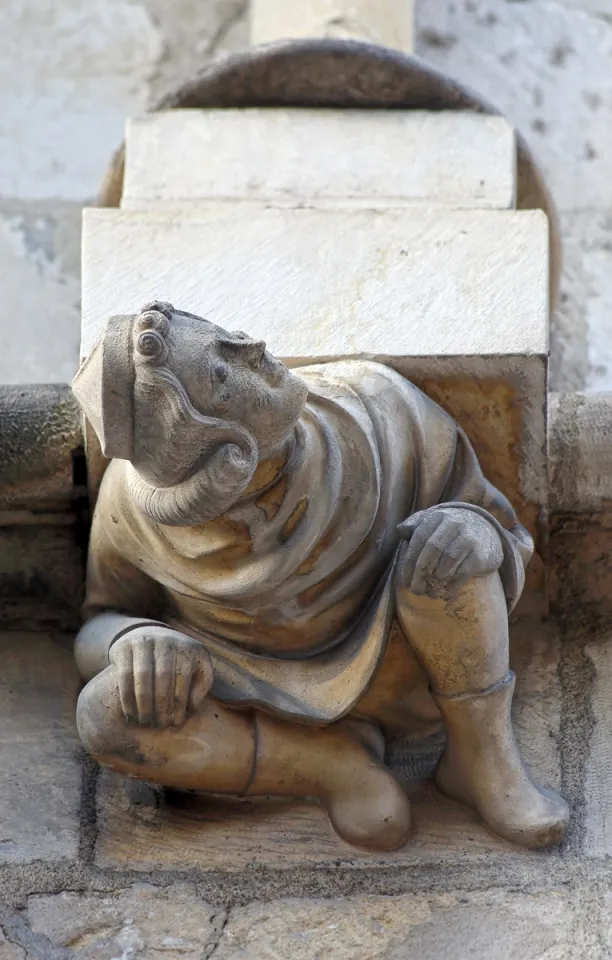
(88, 824)
(222, 917)
(577, 679)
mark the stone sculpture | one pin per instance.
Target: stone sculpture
(285, 568)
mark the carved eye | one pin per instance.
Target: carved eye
(153, 320)
(151, 345)
(221, 371)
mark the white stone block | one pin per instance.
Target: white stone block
(324, 283)
(386, 22)
(301, 157)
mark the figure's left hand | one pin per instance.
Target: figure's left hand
(447, 546)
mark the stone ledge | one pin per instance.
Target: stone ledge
(40, 434)
(40, 774)
(320, 158)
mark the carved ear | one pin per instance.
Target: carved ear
(207, 494)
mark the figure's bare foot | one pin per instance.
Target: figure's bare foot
(482, 769)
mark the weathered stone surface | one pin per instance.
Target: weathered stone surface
(534, 657)
(597, 793)
(40, 432)
(10, 951)
(39, 769)
(481, 926)
(580, 453)
(294, 157)
(139, 923)
(42, 574)
(145, 832)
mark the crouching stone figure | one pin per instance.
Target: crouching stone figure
(284, 568)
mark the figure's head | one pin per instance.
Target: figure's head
(193, 407)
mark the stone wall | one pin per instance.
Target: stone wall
(72, 71)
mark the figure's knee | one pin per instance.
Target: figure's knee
(99, 718)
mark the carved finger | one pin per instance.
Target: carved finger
(182, 683)
(430, 557)
(163, 701)
(454, 555)
(427, 526)
(122, 658)
(142, 651)
(407, 527)
(201, 683)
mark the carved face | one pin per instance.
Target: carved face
(230, 377)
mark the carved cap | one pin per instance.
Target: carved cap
(104, 385)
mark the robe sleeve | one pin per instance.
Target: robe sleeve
(113, 582)
(468, 488)
(119, 597)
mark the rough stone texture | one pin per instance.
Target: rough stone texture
(580, 464)
(580, 453)
(40, 435)
(598, 827)
(10, 951)
(138, 923)
(301, 157)
(482, 926)
(43, 511)
(40, 771)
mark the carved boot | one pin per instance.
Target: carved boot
(482, 769)
(341, 766)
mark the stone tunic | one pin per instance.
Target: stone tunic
(291, 591)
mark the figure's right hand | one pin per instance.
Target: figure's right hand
(162, 675)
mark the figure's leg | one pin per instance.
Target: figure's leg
(228, 752)
(463, 645)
